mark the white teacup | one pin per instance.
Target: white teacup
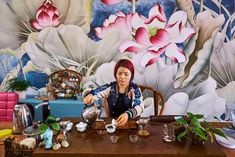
(81, 127)
(110, 128)
(69, 126)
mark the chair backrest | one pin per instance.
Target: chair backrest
(158, 99)
(8, 100)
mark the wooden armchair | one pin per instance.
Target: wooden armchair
(157, 97)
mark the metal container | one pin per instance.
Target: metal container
(90, 114)
(22, 118)
(32, 131)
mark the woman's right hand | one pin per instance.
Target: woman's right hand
(89, 99)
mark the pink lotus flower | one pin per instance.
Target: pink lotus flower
(110, 2)
(47, 16)
(117, 21)
(155, 35)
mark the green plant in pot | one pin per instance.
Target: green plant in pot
(46, 129)
(17, 84)
(198, 132)
(51, 122)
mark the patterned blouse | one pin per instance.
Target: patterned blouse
(130, 102)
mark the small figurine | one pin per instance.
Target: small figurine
(61, 140)
(56, 146)
(65, 143)
(47, 136)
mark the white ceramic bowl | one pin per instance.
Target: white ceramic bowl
(81, 127)
(110, 128)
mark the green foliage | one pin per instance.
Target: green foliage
(194, 129)
(16, 84)
(51, 123)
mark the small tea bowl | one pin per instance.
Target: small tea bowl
(81, 127)
(110, 128)
(133, 138)
(114, 139)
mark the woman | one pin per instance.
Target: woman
(123, 96)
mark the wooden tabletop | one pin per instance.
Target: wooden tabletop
(94, 142)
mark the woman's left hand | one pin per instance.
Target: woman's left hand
(122, 119)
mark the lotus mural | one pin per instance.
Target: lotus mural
(115, 22)
(222, 62)
(155, 35)
(58, 48)
(47, 16)
(18, 18)
(182, 48)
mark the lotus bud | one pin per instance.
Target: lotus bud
(47, 15)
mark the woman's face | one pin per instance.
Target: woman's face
(123, 76)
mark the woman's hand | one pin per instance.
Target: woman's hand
(89, 99)
(122, 119)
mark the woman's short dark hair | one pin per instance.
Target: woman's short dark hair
(126, 64)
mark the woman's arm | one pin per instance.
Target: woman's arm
(100, 92)
(137, 103)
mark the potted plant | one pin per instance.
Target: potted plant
(198, 132)
(46, 129)
(51, 122)
(18, 85)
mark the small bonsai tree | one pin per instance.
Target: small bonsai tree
(198, 132)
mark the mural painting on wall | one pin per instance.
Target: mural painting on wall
(184, 48)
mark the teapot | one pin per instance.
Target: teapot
(91, 113)
(22, 118)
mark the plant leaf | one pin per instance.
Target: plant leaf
(181, 121)
(194, 119)
(190, 115)
(55, 126)
(218, 132)
(195, 122)
(199, 116)
(50, 117)
(43, 127)
(181, 135)
(200, 133)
